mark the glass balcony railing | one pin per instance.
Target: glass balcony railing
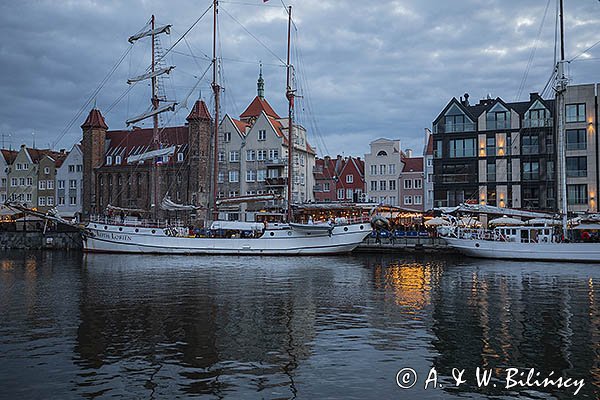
(449, 128)
(538, 123)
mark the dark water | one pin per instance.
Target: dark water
(102, 326)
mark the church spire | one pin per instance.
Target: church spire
(261, 84)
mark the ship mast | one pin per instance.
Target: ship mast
(217, 91)
(155, 140)
(560, 88)
(290, 97)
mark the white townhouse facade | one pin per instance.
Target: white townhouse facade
(69, 184)
(383, 167)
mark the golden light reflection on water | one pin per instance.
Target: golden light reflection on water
(7, 265)
(411, 283)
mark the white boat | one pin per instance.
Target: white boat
(225, 237)
(521, 243)
(110, 237)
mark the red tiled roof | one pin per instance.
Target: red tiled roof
(59, 159)
(131, 142)
(255, 108)
(199, 112)
(241, 125)
(429, 149)
(414, 164)
(9, 155)
(94, 120)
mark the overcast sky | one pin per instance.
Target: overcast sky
(365, 69)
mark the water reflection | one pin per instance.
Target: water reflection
(331, 327)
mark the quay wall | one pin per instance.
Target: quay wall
(409, 244)
(19, 240)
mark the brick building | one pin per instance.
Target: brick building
(340, 179)
(109, 178)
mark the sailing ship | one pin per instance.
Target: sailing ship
(533, 242)
(223, 237)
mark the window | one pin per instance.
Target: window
(226, 137)
(234, 156)
(221, 156)
(79, 167)
(382, 169)
(71, 168)
(221, 177)
(382, 185)
(50, 184)
(234, 176)
(41, 184)
(538, 118)
(381, 153)
(250, 155)
(530, 144)
(50, 200)
(13, 182)
(262, 135)
(261, 155)
(407, 200)
(61, 201)
(72, 183)
(491, 172)
(418, 199)
(531, 171)
(577, 194)
(498, 120)
(576, 139)
(273, 173)
(250, 175)
(490, 146)
(340, 194)
(407, 184)
(575, 112)
(21, 181)
(392, 184)
(462, 148)
(373, 169)
(349, 178)
(108, 160)
(457, 123)
(3, 182)
(46, 170)
(392, 169)
(373, 186)
(429, 162)
(61, 184)
(118, 160)
(429, 178)
(393, 200)
(73, 200)
(179, 157)
(326, 187)
(19, 167)
(41, 201)
(577, 166)
(273, 154)
(29, 181)
(261, 175)
(418, 183)
(437, 149)
(349, 194)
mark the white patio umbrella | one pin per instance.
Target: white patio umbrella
(544, 221)
(437, 221)
(469, 222)
(506, 221)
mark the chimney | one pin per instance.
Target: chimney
(467, 99)
(409, 153)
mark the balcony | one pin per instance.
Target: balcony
(538, 123)
(275, 182)
(495, 125)
(576, 172)
(454, 178)
(276, 163)
(449, 128)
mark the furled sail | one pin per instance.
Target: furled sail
(166, 107)
(111, 208)
(169, 205)
(161, 29)
(149, 75)
(151, 154)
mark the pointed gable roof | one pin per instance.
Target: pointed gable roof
(414, 164)
(94, 120)
(9, 155)
(256, 107)
(199, 112)
(429, 148)
(465, 110)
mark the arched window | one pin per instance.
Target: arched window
(381, 153)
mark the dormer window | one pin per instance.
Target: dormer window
(180, 157)
(349, 178)
(118, 160)
(498, 118)
(108, 160)
(47, 170)
(537, 116)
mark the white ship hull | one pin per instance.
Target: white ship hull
(588, 252)
(110, 238)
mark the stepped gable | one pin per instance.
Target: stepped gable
(199, 112)
(256, 106)
(94, 120)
